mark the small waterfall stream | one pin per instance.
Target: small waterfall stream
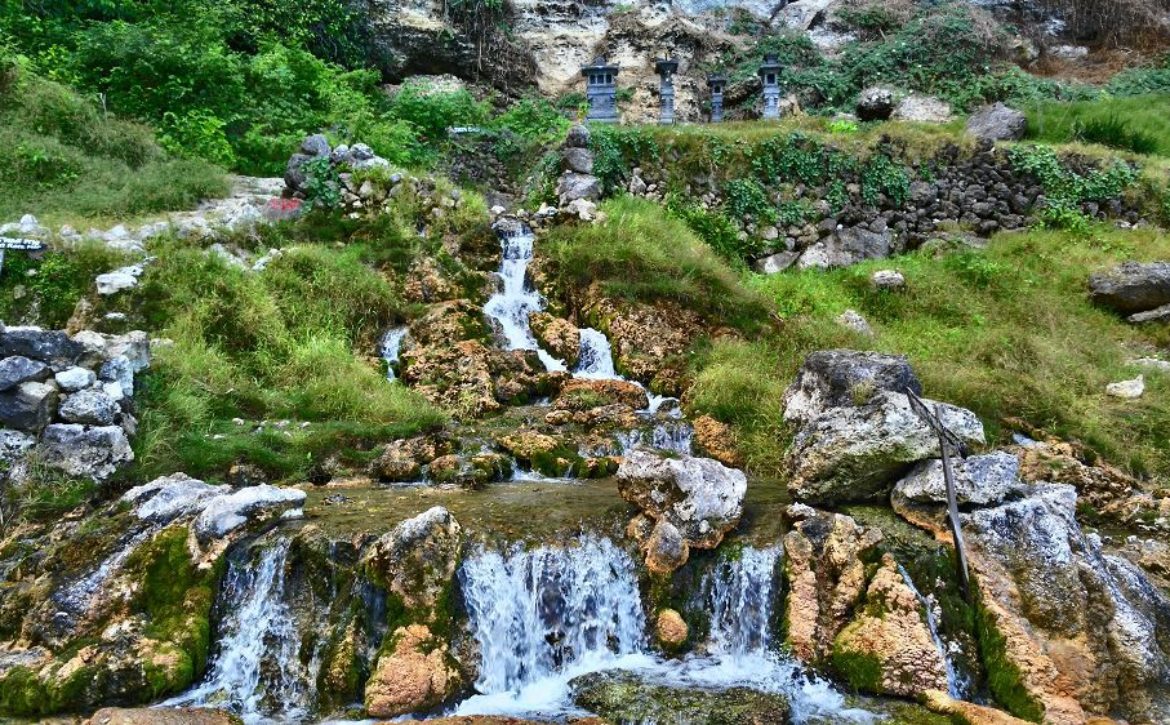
(740, 593)
(511, 306)
(256, 669)
(389, 349)
(957, 684)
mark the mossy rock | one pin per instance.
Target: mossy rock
(625, 697)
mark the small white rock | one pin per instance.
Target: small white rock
(1127, 389)
(74, 379)
(888, 279)
(852, 320)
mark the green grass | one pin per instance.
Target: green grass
(66, 160)
(640, 254)
(292, 343)
(1007, 332)
(1140, 124)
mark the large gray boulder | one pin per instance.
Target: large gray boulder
(997, 123)
(1065, 606)
(19, 369)
(416, 561)
(169, 497)
(923, 109)
(578, 160)
(91, 407)
(573, 186)
(984, 480)
(578, 137)
(835, 378)
(875, 104)
(855, 453)
(29, 407)
(53, 347)
(255, 505)
(1132, 287)
(803, 14)
(847, 247)
(700, 497)
(85, 451)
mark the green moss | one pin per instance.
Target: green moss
(176, 598)
(1004, 678)
(862, 670)
(560, 461)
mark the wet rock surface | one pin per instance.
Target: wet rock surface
(624, 697)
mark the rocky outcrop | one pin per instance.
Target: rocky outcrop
(415, 563)
(700, 497)
(315, 151)
(997, 123)
(73, 395)
(559, 336)
(967, 713)
(922, 109)
(888, 649)
(584, 394)
(979, 480)
(403, 460)
(841, 378)
(621, 696)
(1081, 631)
(1132, 287)
(417, 673)
(824, 564)
(875, 104)
(717, 440)
(162, 716)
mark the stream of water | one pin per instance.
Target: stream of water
(957, 685)
(511, 306)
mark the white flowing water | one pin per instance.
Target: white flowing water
(595, 359)
(544, 616)
(389, 348)
(957, 684)
(256, 670)
(511, 306)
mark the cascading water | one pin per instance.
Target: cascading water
(595, 359)
(544, 616)
(389, 348)
(511, 306)
(957, 685)
(256, 670)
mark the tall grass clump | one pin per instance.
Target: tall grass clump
(642, 254)
(64, 157)
(292, 343)
(1139, 124)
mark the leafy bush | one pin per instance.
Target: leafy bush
(432, 111)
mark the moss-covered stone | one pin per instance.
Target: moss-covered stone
(624, 697)
(1004, 678)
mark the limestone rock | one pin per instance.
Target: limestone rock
(573, 186)
(665, 549)
(30, 406)
(578, 160)
(1158, 314)
(823, 562)
(416, 673)
(923, 109)
(853, 321)
(90, 407)
(557, 335)
(701, 497)
(584, 394)
(1127, 389)
(875, 104)
(247, 507)
(854, 453)
(402, 460)
(775, 263)
(717, 440)
(417, 559)
(889, 279)
(14, 447)
(622, 696)
(997, 123)
(984, 480)
(837, 378)
(578, 136)
(890, 631)
(78, 450)
(967, 712)
(169, 497)
(803, 14)
(48, 346)
(74, 379)
(161, 716)
(19, 369)
(670, 630)
(1080, 626)
(527, 445)
(846, 247)
(111, 283)
(1132, 287)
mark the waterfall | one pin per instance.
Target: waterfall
(676, 436)
(256, 670)
(543, 616)
(510, 307)
(957, 685)
(389, 347)
(595, 360)
(740, 594)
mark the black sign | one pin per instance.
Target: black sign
(21, 245)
